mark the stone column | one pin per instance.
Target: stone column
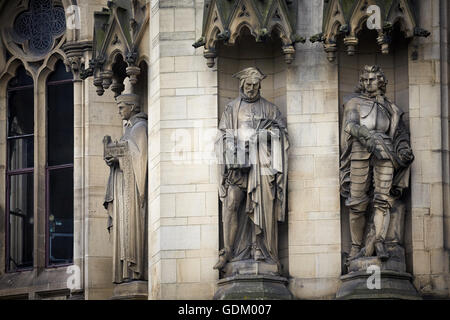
(183, 202)
(313, 124)
(429, 138)
(95, 117)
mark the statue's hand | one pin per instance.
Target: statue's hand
(406, 155)
(111, 161)
(371, 144)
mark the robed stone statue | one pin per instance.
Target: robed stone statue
(252, 149)
(125, 198)
(375, 168)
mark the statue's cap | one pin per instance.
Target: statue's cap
(251, 72)
(130, 98)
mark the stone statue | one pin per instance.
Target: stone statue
(252, 148)
(125, 199)
(375, 165)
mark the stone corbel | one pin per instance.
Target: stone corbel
(132, 70)
(98, 80)
(75, 62)
(117, 86)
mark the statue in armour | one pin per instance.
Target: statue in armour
(375, 168)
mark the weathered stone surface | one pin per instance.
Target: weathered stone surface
(394, 285)
(253, 287)
(134, 290)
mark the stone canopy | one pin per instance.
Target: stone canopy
(117, 31)
(224, 20)
(347, 18)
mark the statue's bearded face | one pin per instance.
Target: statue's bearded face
(251, 87)
(371, 83)
(126, 111)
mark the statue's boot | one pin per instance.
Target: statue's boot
(357, 224)
(223, 259)
(355, 252)
(381, 220)
(258, 255)
(382, 254)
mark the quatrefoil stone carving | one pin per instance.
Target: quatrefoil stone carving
(40, 26)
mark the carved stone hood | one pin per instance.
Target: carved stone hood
(347, 18)
(118, 30)
(223, 20)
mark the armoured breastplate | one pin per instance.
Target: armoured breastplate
(374, 117)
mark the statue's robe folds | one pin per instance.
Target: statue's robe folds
(127, 206)
(265, 182)
(397, 132)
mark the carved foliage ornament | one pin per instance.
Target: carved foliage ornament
(223, 20)
(349, 17)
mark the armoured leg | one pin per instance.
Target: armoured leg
(383, 176)
(360, 183)
(231, 206)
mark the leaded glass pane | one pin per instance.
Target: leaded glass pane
(20, 221)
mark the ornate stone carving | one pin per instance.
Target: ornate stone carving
(252, 148)
(33, 28)
(347, 18)
(224, 20)
(75, 53)
(375, 168)
(126, 199)
(40, 26)
(117, 31)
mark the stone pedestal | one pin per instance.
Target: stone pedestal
(394, 285)
(395, 282)
(252, 280)
(134, 290)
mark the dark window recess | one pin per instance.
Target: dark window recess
(60, 218)
(19, 172)
(60, 124)
(60, 167)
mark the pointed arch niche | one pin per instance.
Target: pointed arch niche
(269, 58)
(395, 66)
(248, 33)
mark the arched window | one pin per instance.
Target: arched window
(59, 167)
(19, 172)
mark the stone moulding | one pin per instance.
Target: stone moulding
(347, 18)
(118, 30)
(223, 20)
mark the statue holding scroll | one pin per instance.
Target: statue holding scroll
(252, 152)
(126, 192)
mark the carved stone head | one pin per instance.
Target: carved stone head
(128, 105)
(372, 81)
(250, 82)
